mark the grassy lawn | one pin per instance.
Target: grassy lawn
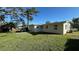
(27, 42)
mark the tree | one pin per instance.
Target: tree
(2, 17)
(29, 14)
(2, 14)
(75, 23)
(11, 24)
(7, 26)
(17, 14)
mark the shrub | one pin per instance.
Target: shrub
(74, 30)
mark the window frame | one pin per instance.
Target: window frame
(55, 27)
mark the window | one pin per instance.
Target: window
(55, 27)
(46, 26)
(65, 26)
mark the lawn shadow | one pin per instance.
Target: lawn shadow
(3, 35)
(72, 45)
(36, 33)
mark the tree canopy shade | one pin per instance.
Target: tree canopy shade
(17, 14)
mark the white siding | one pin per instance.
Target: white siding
(66, 28)
(62, 28)
(52, 30)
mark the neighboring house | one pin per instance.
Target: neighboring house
(56, 27)
(19, 25)
(34, 28)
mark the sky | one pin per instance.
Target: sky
(54, 14)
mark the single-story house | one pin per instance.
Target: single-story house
(56, 27)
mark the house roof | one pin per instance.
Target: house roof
(56, 23)
(50, 23)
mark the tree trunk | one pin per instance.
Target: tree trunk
(28, 23)
(27, 29)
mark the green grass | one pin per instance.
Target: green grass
(28, 42)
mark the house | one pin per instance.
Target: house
(56, 27)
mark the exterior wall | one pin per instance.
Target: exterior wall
(51, 29)
(62, 28)
(66, 28)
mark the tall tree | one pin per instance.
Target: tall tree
(16, 13)
(2, 16)
(29, 13)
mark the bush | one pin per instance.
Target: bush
(70, 31)
(74, 30)
(4, 28)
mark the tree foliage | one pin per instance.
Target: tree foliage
(29, 14)
(17, 14)
(75, 23)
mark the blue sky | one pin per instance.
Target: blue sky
(54, 14)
